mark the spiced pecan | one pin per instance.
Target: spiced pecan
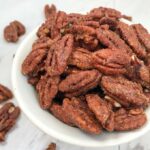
(143, 36)
(98, 13)
(127, 93)
(111, 61)
(79, 115)
(81, 58)
(32, 61)
(139, 72)
(129, 119)
(111, 40)
(101, 110)
(33, 80)
(58, 55)
(8, 116)
(129, 36)
(51, 146)
(50, 11)
(13, 31)
(5, 93)
(59, 112)
(79, 83)
(47, 88)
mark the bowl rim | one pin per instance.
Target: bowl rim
(41, 125)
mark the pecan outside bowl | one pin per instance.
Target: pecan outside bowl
(28, 101)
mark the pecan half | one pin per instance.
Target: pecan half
(111, 40)
(47, 88)
(79, 115)
(101, 110)
(129, 119)
(143, 36)
(13, 31)
(50, 11)
(81, 58)
(79, 83)
(58, 55)
(8, 116)
(111, 61)
(5, 93)
(32, 61)
(59, 112)
(126, 92)
(139, 72)
(128, 34)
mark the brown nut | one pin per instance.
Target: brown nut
(128, 120)
(127, 93)
(5, 93)
(8, 116)
(79, 83)
(47, 88)
(111, 61)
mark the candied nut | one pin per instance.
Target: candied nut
(71, 70)
(19, 27)
(81, 58)
(58, 55)
(47, 88)
(101, 110)
(143, 35)
(33, 59)
(8, 116)
(51, 146)
(111, 61)
(81, 117)
(125, 92)
(13, 31)
(50, 11)
(128, 34)
(79, 83)
(111, 40)
(139, 72)
(5, 93)
(127, 120)
(59, 112)
(98, 13)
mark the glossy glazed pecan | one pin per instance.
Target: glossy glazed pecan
(5, 93)
(126, 120)
(111, 61)
(101, 110)
(127, 93)
(79, 83)
(79, 115)
(47, 88)
(58, 55)
(8, 116)
(81, 58)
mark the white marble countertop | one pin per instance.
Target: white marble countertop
(25, 135)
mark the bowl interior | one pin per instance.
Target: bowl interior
(28, 102)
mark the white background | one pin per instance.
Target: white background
(26, 136)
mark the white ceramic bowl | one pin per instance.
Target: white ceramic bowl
(27, 99)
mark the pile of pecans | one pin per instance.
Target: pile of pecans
(91, 71)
